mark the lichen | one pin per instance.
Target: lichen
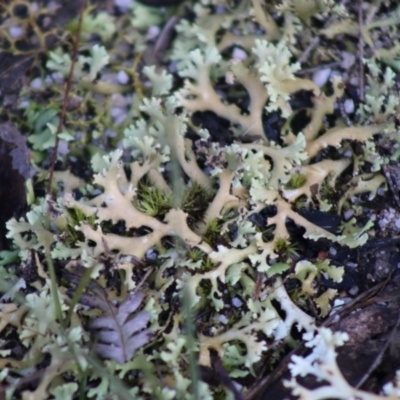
(192, 207)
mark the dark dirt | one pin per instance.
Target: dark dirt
(14, 170)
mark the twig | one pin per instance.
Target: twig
(308, 49)
(360, 301)
(257, 289)
(343, 113)
(226, 379)
(361, 50)
(66, 95)
(143, 280)
(380, 355)
(137, 83)
(392, 182)
(164, 39)
(255, 391)
(306, 71)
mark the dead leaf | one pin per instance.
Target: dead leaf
(120, 333)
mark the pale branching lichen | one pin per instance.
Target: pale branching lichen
(321, 363)
(200, 208)
(61, 62)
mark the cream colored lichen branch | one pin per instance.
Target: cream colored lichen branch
(261, 318)
(315, 175)
(113, 205)
(365, 183)
(283, 159)
(258, 97)
(272, 30)
(222, 259)
(335, 136)
(265, 20)
(284, 211)
(116, 204)
(149, 167)
(323, 105)
(182, 152)
(322, 364)
(199, 95)
(223, 201)
(175, 225)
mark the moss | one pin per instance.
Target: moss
(285, 249)
(196, 200)
(152, 201)
(296, 181)
(75, 218)
(212, 234)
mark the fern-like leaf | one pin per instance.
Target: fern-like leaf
(120, 334)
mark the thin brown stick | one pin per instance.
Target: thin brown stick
(143, 280)
(164, 39)
(257, 290)
(309, 48)
(392, 183)
(306, 71)
(66, 95)
(360, 51)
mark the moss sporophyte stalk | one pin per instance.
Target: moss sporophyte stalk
(212, 210)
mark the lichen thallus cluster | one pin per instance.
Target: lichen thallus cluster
(197, 217)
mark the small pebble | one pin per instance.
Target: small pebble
(354, 290)
(236, 302)
(321, 76)
(348, 59)
(332, 251)
(153, 33)
(16, 31)
(239, 54)
(122, 77)
(36, 83)
(151, 254)
(348, 106)
(63, 147)
(348, 153)
(123, 5)
(351, 265)
(348, 214)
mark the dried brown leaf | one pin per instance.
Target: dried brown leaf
(120, 333)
